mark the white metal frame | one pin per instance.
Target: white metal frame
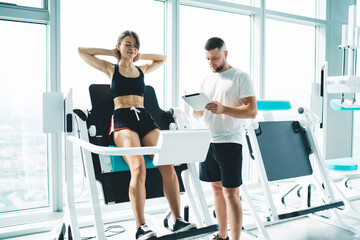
(338, 84)
(319, 168)
(172, 46)
(54, 69)
(70, 217)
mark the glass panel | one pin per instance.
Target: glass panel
(289, 62)
(193, 64)
(254, 3)
(79, 28)
(306, 8)
(23, 146)
(27, 3)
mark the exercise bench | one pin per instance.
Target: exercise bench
(103, 163)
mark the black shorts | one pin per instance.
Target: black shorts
(223, 163)
(140, 122)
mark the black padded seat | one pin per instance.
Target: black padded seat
(285, 149)
(115, 185)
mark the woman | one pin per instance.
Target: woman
(133, 126)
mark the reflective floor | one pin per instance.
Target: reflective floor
(304, 228)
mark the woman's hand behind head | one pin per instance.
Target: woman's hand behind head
(117, 54)
(137, 57)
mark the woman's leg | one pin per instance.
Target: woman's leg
(137, 192)
(170, 180)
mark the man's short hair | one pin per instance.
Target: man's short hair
(213, 43)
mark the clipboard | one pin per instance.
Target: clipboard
(197, 101)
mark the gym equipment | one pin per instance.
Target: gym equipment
(347, 85)
(102, 163)
(348, 82)
(283, 151)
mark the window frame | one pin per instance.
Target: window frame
(49, 15)
(25, 14)
(259, 14)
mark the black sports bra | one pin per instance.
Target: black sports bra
(122, 86)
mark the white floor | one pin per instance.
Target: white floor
(304, 228)
(298, 229)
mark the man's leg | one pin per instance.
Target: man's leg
(220, 208)
(230, 158)
(234, 210)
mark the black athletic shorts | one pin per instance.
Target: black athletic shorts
(138, 120)
(223, 163)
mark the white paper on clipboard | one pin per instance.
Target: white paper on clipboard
(197, 101)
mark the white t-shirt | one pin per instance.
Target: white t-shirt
(228, 88)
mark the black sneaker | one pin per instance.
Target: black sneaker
(217, 238)
(182, 225)
(144, 232)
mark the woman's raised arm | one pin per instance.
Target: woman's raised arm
(157, 61)
(89, 56)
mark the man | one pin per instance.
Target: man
(233, 99)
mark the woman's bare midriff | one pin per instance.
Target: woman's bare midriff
(129, 101)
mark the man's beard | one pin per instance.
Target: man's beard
(219, 68)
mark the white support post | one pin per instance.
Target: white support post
(319, 161)
(258, 49)
(260, 226)
(95, 202)
(190, 196)
(200, 193)
(54, 85)
(335, 219)
(263, 176)
(70, 217)
(172, 51)
(351, 38)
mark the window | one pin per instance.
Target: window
(23, 145)
(102, 31)
(289, 62)
(193, 35)
(255, 3)
(306, 8)
(27, 3)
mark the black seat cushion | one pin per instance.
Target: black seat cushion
(284, 149)
(116, 184)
